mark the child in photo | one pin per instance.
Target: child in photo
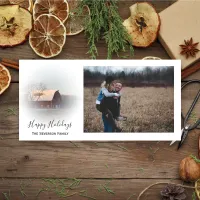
(107, 86)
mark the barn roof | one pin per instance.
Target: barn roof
(46, 95)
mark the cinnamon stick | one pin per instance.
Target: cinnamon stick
(190, 70)
(10, 63)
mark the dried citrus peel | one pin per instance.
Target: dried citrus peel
(48, 36)
(5, 78)
(15, 25)
(76, 22)
(57, 8)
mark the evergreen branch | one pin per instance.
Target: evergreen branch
(105, 22)
(195, 158)
(194, 196)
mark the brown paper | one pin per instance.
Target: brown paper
(180, 22)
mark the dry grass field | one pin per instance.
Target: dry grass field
(148, 109)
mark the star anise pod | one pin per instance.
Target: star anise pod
(8, 25)
(189, 48)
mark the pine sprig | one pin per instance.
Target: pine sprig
(105, 23)
(194, 196)
(195, 158)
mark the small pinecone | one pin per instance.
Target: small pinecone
(173, 192)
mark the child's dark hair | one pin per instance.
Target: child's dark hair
(107, 82)
(109, 79)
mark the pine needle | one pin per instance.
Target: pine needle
(75, 183)
(82, 191)
(11, 111)
(195, 158)
(105, 186)
(121, 147)
(96, 143)
(193, 117)
(23, 193)
(84, 194)
(194, 196)
(130, 196)
(41, 190)
(100, 188)
(141, 169)
(156, 150)
(51, 181)
(6, 195)
(22, 190)
(69, 195)
(105, 23)
(124, 57)
(74, 144)
(58, 186)
(62, 182)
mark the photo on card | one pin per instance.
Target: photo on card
(138, 100)
(129, 99)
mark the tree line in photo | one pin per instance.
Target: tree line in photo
(131, 77)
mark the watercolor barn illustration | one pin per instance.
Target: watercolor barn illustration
(45, 99)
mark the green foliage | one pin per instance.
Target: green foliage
(195, 159)
(105, 22)
(83, 193)
(131, 196)
(194, 196)
(106, 187)
(11, 111)
(6, 195)
(60, 187)
(193, 117)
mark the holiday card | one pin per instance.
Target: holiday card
(99, 100)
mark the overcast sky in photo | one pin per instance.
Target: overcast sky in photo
(103, 69)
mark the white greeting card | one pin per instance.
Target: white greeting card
(99, 100)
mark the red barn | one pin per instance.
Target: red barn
(45, 99)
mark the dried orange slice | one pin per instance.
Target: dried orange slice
(76, 22)
(48, 36)
(15, 25)
(59, 8)
(5, 78)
